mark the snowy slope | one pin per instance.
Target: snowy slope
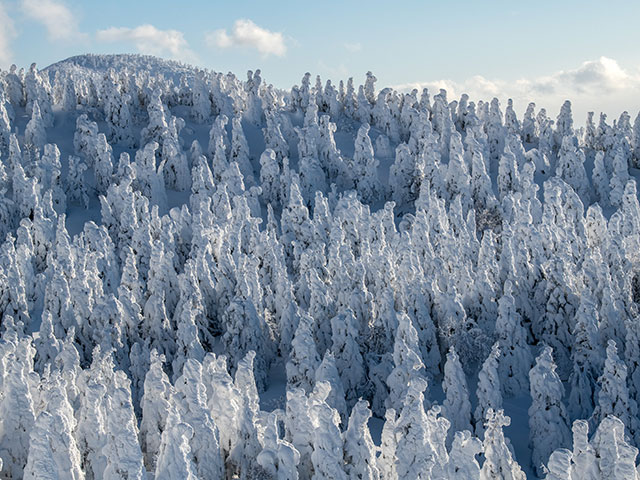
(206, 276)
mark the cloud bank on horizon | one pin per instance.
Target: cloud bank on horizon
(601, 82)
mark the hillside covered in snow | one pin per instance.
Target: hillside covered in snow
(206, 277)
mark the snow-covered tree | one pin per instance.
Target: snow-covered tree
(303, 360)
(364, 167)
(516, 360)
(191, 399)
(346, 351)
(548, 420)
(613, 397)
(359, 449)
(407, 362)
(499, 462)
(327, 456)
(488, 392)
(456, 405)
(122, 450)
(155, 409)
(175, 459)
(570, 168)
(328, 372)
(616, 457)
(587, 360)
(18, 416)
(35, 135)
(463, 463)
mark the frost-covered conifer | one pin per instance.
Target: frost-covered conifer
(35, 135)
(299, 428)
(327, 456)
(103, 163)
(386, 461)
(5, 124)
(481, 189)
(457, 178)
(511, 123)
(76, 185)
(508, 176)
(619, 178)
(583, 455)
(407, 362)
(589, 138)
(600, 179)
(559, 467)
(116, 110)
(488, 391)
(224, 400)
(456, 404)
(570, 168)
(278, 457)
(359, 449)
(463, 463)
(17, 413)
(364, 168)
(240, 150)
(312, 175)
(420, 451)
(175, 459)
(616, 457)
(243, 455)
(270, 178)
(587, 359)
(548, 421)
(303, 359)
(499, 462)
(495, 130)
(201, 99)
(613, 397)
(273, 136)
(53, 452)
(515, 361)
(176, 169)
(14, 81)
(246, 331)
(158, 119)
(327, 372)
(363, 108)
(347, 354)
(218, 146)
(122, 450)
(38, 89)
(564, 123)
(191, 398)
(155, 409)
(150, 178)
(187, 338)
(529, 125)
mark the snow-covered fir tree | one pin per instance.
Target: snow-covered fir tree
(548, 420)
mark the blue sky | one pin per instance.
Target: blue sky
(544, 51)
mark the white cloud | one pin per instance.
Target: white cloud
(593, 76)
(245, 33)
(353, 47)
(151, 40)
(7, 32)
(596, 85)
(60, 23)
